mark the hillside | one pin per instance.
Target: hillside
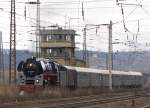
(127, 61)
(136, 61)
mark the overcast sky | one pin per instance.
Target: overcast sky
(62, 12)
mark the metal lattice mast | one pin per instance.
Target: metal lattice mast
(38, 30)
(12, 57)
(0, 55)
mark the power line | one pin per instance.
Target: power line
(140, 19)
(62, 2)
(147, 12)
(131, 12)
(30, 17)
(71, 2)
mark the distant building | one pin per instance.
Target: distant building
(59, 45)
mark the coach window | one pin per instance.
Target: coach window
(100, 77)
(61, 68)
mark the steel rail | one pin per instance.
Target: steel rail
(66, 99)
(83, 100)
(81, 103)
(62, 100)
(147, 106)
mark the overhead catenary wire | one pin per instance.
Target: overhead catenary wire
(122, 11)
(58, 3)
(34, 19)
(25, 12)
(147, 12)
(131, 12)
(68, 2)
(138, 30)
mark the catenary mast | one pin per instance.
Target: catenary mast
(12, 57)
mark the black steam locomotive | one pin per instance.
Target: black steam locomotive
(39, 72)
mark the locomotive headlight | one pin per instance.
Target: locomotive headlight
(30, 64)
(37, 81)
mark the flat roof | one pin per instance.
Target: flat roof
(91, 70)
(57, 32)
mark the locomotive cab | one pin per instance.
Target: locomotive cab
(50, 72)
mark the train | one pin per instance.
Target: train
(41, 72)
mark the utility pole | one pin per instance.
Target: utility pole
(84, 46)
(12, 56)
(110, 50)
(1, 58)
(110, 55)
(38, 30)
(1, 55)
(3, 74)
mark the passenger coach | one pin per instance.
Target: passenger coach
(87, 77)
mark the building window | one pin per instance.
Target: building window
(60, 37)
(50, 51)
(68, 38)
(64, 37)
(50, 37)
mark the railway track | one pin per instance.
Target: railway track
(83, 103)
(74, 102)
(147, 106)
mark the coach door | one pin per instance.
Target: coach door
(71, 78)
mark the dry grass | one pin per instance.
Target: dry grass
(63, 92)
(8, 90)
(11, 93)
